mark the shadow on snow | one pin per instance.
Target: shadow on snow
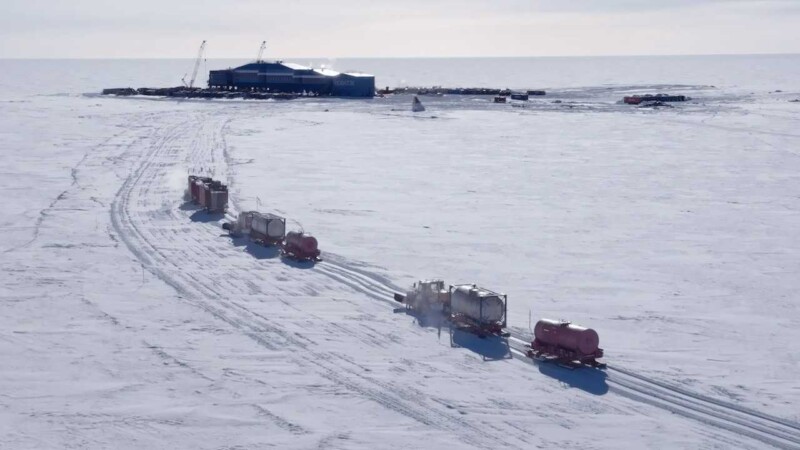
(587, 379)
(298, 264)
(491, 348)
(259, 251)
(202, 216)
(189, 206)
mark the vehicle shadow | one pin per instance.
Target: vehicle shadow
(260, 251)
(491, 348)
(201, 216)
(239, 240)
(587, 379)
(298, 264)
(189, 206)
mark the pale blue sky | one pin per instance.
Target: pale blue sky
(391, 28)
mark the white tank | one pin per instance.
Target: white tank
(269, 225)
(477, 303)
(276, 229)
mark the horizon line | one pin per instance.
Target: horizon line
(134, 58)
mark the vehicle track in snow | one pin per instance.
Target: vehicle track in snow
(165, 248)
(771, 430)
(185, 255)
(775, 431)
(732, 418)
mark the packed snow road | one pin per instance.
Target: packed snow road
(146, 326)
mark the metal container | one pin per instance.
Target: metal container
(220, 78)
(203, 191)
(195, 185)
(302, 244)
(268, 227)
(192, 179)
(481, 305)
(584, 341)
(218, 200)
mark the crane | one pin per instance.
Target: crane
(261, 51)
(196, 66)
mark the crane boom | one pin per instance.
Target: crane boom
(196, 64)
(261, 51)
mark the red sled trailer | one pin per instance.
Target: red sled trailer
(300, 246)
(214, 197)
(568, 344)
(196, 183)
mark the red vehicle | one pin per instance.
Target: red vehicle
(211, 194)
(195, 184)
(300, 246)
(566, 343)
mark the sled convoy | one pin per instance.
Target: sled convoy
(262, 228)
(267, 229)
(483, 312)
(466, 307)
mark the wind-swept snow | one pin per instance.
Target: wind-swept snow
(130, 320)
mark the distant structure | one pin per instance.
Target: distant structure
(416, 105)
(281, 77)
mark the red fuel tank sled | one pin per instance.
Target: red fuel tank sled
(566, 343)
(300, 246)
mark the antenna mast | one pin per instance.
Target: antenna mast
(261, 51)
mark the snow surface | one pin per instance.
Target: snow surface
(129, 320)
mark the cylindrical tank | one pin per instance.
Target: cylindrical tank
(269, 225)
(276, 228)
(304, 243)
(477, 303)
(567, 335)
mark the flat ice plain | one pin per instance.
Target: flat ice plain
(129, 320)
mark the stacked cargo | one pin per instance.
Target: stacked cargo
(217, 195)
(210, 194)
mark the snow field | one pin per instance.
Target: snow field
(130, 320)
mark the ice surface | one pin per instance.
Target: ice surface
(130, 320)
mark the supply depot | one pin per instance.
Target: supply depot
(284, 77)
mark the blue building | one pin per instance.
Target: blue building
(279, 76)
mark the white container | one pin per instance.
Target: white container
(269, 226)
(477, 303)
